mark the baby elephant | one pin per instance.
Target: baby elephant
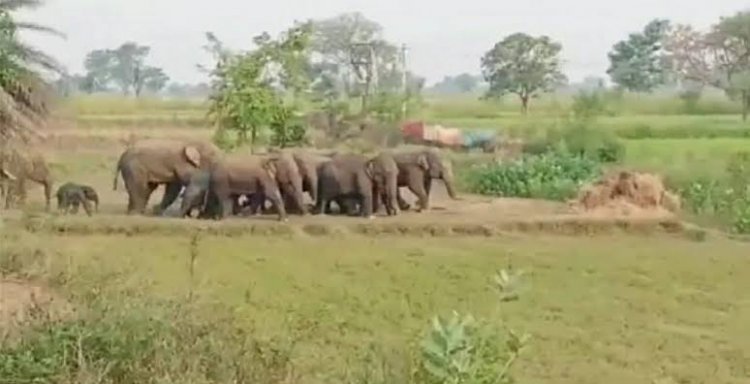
(71, 195)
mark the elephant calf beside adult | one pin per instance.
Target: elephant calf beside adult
(153, 162)
(417, 169)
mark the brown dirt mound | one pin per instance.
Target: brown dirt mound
(23, 302)
(628, 193)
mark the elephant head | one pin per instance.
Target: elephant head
(439, 168)
(195, 195)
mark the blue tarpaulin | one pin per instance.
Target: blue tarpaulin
(473, 139)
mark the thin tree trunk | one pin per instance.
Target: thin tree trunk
(745, 105)
(525, 104)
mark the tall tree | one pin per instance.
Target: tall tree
(719, 58)
(352, 54)
(523, 65)
(636, 63)
(24, 94)
(244, 97)
(124, 67)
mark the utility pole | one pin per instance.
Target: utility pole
(360, 60)
(404, 85)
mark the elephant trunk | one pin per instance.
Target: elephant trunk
(449, 183)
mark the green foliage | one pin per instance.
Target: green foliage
(725, 199)
(523, 65)
(159, 342)
(246, 97)
(553, 176)
(286, 130)
(462, 350)
(23, 90)
(636, 63)
(124, 67)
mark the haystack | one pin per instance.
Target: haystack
(628, 192)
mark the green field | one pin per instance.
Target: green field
(621, 310)
(617, 303)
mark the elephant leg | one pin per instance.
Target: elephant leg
(417, 188)
(171, 191)
(401, 202)
(47, 194)
(74, 209)
(86, 206)
(272, 193)
(427, 188)
(139, 196)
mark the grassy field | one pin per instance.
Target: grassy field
(352, 306)
(619, 310)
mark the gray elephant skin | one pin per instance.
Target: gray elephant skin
(70, 196)
(218, 190)
(417, 169)
(153, 162)
(350, 177)
(17, 167)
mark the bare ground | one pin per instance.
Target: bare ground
(89, 156)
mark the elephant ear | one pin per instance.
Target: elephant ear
(193, 155)
(422, 162)
(7, 174)
(270, 167)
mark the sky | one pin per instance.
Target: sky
(442, 37)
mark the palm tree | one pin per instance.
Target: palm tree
(24, 94)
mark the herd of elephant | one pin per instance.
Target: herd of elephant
(218, 185)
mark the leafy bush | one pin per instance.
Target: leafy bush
(143, 345)
(725, 199)
(286, 130)
(464, 350)
(579, 138)
(555, 176)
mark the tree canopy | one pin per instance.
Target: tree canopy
(24, 95)
(123, 67)
(636, 63)
(523, 65)
(718, 58)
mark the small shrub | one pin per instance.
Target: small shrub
(463, 350)
(554, 176)
(726, 199)
(155, 343)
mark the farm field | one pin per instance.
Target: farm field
(606, 299)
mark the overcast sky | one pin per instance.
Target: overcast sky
(443, 37)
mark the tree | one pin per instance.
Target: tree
(351, 53)
(244, 97)
(523, 65)
(636, 63)
(719, 58)
(24, 94)
(463, 83)
(125, 68)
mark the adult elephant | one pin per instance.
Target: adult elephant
(417, 169)
(349, 176)
(290, 179)
(17, 167)
(308, 163)
(153, 162)
(384, 172)
(218, 190)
